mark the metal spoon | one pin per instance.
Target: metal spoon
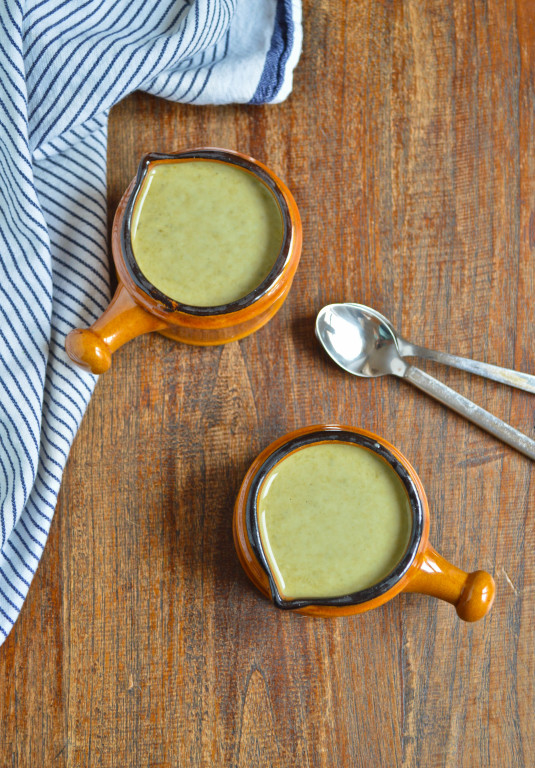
(358, 343)
(517, 379)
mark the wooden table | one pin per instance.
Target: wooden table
(409, 145)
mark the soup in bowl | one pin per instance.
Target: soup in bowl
(206, 243)
(332, 520)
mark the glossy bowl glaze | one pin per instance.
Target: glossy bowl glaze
(139, 307)
(420, 569)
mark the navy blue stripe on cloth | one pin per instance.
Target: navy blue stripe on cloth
(63, 65)
(281, 45)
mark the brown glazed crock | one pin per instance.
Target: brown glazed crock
(421, 569)
(139, 307)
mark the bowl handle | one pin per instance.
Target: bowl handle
(472, 594)
(91, 348)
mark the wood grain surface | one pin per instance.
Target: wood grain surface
(408, 142)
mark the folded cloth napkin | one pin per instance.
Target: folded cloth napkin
(63, 64)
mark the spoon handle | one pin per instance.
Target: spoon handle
(517, 379)
(471, 411)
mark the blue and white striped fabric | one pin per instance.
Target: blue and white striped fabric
(63, 64)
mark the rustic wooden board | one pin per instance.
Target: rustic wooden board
(408, 143)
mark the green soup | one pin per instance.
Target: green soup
(334, 518)
(204, 232)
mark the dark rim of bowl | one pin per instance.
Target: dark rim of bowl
(363, 595)
(171, 305)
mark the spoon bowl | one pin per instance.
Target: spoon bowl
(359, 340)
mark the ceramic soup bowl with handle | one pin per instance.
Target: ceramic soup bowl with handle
(302, 519)
(139, 306)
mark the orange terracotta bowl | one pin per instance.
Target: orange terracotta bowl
(420, 569)
(139, 307)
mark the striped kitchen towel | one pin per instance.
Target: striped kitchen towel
(63, 64)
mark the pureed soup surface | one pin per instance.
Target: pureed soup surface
(334, 518)
(204, 232)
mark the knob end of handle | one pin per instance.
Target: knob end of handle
(88, 350)
(476, 597)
